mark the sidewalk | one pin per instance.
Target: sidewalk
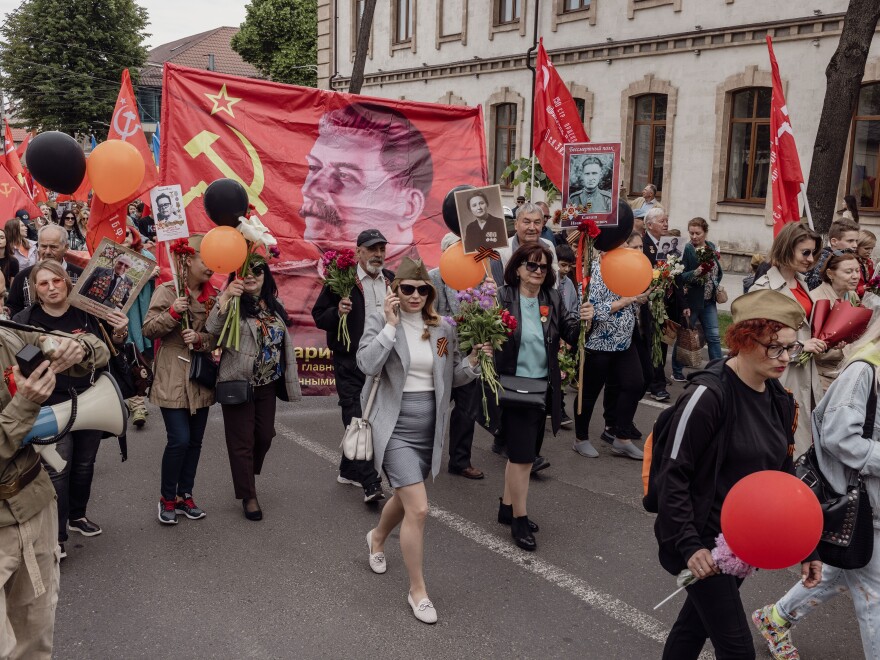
(733, 284)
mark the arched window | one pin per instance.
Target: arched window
(748, 149)
(865, 152)
(505, 139)
(649, 142)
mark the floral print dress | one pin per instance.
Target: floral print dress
(268, 367)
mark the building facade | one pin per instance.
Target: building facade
(684, 85)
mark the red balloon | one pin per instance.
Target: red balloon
(771, 520)
(626, 272)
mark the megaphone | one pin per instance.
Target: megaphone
(100, 408)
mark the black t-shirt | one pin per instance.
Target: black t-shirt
(758, 443)
(147, 227)
(74, 321)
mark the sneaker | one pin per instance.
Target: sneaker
(679, 378)
(84, 526)
(566, 421)
(139, 418)
(778, 639)
(167, 512)
(608, 437)
(373, 493)
(62, 553)
(188, 508)
(632, 433)
(585, 449)
(662, 395)
(348, 482)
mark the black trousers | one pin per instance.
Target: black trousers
(612, 387)
(624, 370)
(249, 427)
(713, 610)
(461, 427)
(349, 383)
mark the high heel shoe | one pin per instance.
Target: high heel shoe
(251, 515)
(522, 535)
(505, 515)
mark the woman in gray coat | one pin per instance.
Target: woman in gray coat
(414, 354)
(250, 378)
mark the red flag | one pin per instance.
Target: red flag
(14, 197)
(785, 166)
(110, 219)
(81, 194)
(23, 146)
(555, 118)
(12, 162)
(39, 192)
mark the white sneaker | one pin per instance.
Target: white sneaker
(348, 482)
(377, 559)
(424, 611)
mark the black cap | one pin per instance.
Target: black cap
(370, 237)
(23, 214)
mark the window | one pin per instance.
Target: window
(865, 151)
(505, 139)
(507, 11)
(575, 5)
(581, 105)
(649, 142)
(403, 21)
(748, 150)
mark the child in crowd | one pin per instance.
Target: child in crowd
(844, 235)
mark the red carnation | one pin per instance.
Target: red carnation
(590, 228)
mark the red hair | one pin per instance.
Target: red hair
(137, 243)
(747, 335)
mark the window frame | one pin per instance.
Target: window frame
(653, 123)
(755, 123)
(852, 151)
(396, 24)
(496, 13)
(511, 128)
(584, 6)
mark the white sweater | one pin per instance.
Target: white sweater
(420, 377)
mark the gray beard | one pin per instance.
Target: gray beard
(373, 270)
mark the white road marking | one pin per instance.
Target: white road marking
(609, 605)
(654, 404)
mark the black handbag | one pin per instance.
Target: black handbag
(129, 368)
(847, 539)
(233, 392)
(519, 392)
(203, 369)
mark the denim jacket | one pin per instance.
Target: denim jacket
(837, 429)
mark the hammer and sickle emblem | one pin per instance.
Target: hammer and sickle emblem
(5, 189)
(130, 118)
(203, 144)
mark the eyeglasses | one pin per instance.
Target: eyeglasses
(257, 271)
(409, 289)
(843, 252)
(533, 267)
(775, 351)
(546, 217)
(55, 282)
(809, 253)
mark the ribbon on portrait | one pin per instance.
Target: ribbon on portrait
(484, 253)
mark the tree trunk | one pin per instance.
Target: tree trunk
(363, 45)
(844, 75)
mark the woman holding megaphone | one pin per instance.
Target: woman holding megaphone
(51, 286)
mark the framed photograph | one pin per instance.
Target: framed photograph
(481, 218)
(169, 213)
(112, 280)
(590, 172)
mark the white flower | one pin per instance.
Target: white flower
(255, 231)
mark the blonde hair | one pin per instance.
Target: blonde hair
(866, 238)
(429, 316)
(53, 267)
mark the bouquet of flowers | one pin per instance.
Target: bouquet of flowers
(589, 232)
(258, 238)
(180, 250)
(568, 364)
(873, 285)
(340, 274)
(665, 273)
(480, 320)
(706, 257)
(724, 558)
(845, 322)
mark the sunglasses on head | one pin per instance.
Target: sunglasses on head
(843, 252)
(409, 289)
(533, 267)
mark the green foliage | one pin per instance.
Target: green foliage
(280, 38)
(62, 61)
(520, 172)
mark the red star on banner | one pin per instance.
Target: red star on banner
(222, 101)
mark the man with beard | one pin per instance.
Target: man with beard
(485, 230)
(367, 298)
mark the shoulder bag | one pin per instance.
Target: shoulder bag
(720, 294)
(203, 369)
(233, 392)
(357, 442)
(688, 350)
(519, 392)
(848, 521)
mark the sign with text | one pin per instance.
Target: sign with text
(169, 212)
(590, 174)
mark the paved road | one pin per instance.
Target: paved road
(297, 584)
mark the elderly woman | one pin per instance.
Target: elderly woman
(413, 354)
(792, 254)
(184, 403)
(710, 455)
(530, 295)
(263, 368)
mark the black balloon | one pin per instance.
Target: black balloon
(613, 237)
(225, 201)
(450, 213)
(56, 161)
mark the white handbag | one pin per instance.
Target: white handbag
(357, 443)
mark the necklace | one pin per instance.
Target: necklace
(529, 303)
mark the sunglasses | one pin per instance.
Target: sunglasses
(546, 217)
(532, 267)
(809, 253)
(55, 281)
(409, 289)
(256, 271)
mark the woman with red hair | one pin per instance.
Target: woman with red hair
(707, 453)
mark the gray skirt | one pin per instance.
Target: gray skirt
(408, 455)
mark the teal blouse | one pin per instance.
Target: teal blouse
(531, 361)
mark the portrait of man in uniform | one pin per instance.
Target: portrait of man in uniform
(479, 226)
(584, 191)
(112, 280)
(110, 286)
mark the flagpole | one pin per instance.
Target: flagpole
(807, 206)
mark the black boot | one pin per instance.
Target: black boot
(522, 535)
(505, 515)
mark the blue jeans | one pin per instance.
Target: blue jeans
(708, 318)
(182, 450)
(73, 485)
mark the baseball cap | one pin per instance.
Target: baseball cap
(370, 237)
(23, 214)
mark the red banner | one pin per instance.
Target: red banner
(11, 159)
(81, 194)
(20, 149)
(108, 220)
(785, 166)
(556, 120)
(14, 197)
(319, 168)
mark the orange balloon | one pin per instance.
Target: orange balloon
(459, 270)
(224, 249)
(626, 272)
(115, 169)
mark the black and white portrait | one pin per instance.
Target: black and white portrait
(481, 218)
(589, 182)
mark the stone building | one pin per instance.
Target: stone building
(684, 85)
